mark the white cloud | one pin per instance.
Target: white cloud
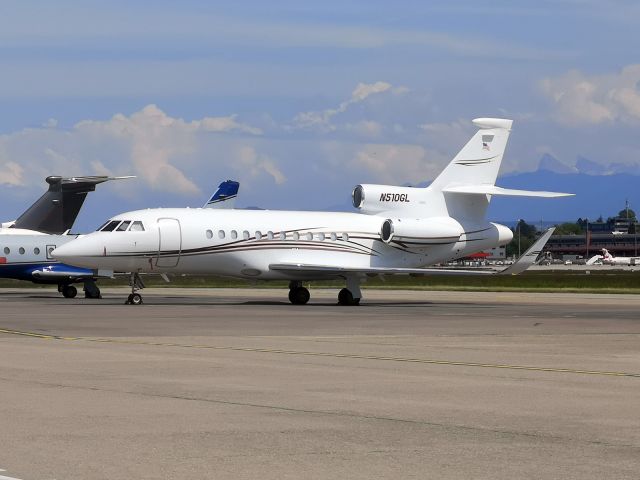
(321, 120)
(156, 147)
(251, 161)
(366, 128)
(581, 99)
(11, 174)
(398, 164)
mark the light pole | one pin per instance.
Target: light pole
(587, 239)
(519, 228)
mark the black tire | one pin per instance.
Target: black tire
(136, 299)
(345, 297)
(92, 293)
(299, 296)
(69, 291)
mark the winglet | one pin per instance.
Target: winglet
(529, 257)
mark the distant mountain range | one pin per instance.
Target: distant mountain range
(600, 190)
(583, 165)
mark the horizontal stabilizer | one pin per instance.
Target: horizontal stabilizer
(494, 190)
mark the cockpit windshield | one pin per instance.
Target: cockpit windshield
(122, 226)
(137, 227)
(111, 226)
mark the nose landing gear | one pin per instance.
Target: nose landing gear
(136, 284)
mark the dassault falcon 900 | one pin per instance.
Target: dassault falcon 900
(399, 230)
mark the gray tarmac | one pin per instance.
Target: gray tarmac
(205, 384)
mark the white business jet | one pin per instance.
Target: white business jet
(399, 230)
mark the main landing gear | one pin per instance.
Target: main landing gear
(136, 284)
(91, 290)
(298, 295)
(350, 296)
(67, 291)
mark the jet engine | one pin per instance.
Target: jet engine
(383, 198)
(421, 231)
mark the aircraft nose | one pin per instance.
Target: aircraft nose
(76, 252)
(65, 252)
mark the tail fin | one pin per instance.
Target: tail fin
(479, 160)
(224, 196)
(477, 164)
(56, 210)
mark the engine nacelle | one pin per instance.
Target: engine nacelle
(421, 231)
(384, 198)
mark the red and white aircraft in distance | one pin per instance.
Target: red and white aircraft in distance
(607, 259)
(398, 230)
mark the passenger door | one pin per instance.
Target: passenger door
(169, 242)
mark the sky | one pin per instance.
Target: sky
(300, 101)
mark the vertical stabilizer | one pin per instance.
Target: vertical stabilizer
(56, 210)
(224, 196)
(478, 163)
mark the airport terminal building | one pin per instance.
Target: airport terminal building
(618, 235)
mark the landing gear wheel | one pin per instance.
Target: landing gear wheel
(92, 294)
(69, 291)
(91, 290)
(299, 296)
(134, 299)
(345, 297)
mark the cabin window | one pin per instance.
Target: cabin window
(7, 250)
(309, 236)
(321, 237)
(123, 226)
(111, 226)
(345, 236)
(36, 251)
(209, 234)
(137, 227)
(283, 236)
(270, 235)
(21, 251)
(258, 235)
(220, 234)
(234, 234)
(334, 237)
(296, 236)
(245, 235)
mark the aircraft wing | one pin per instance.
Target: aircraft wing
(524, 262)
(329, 270)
